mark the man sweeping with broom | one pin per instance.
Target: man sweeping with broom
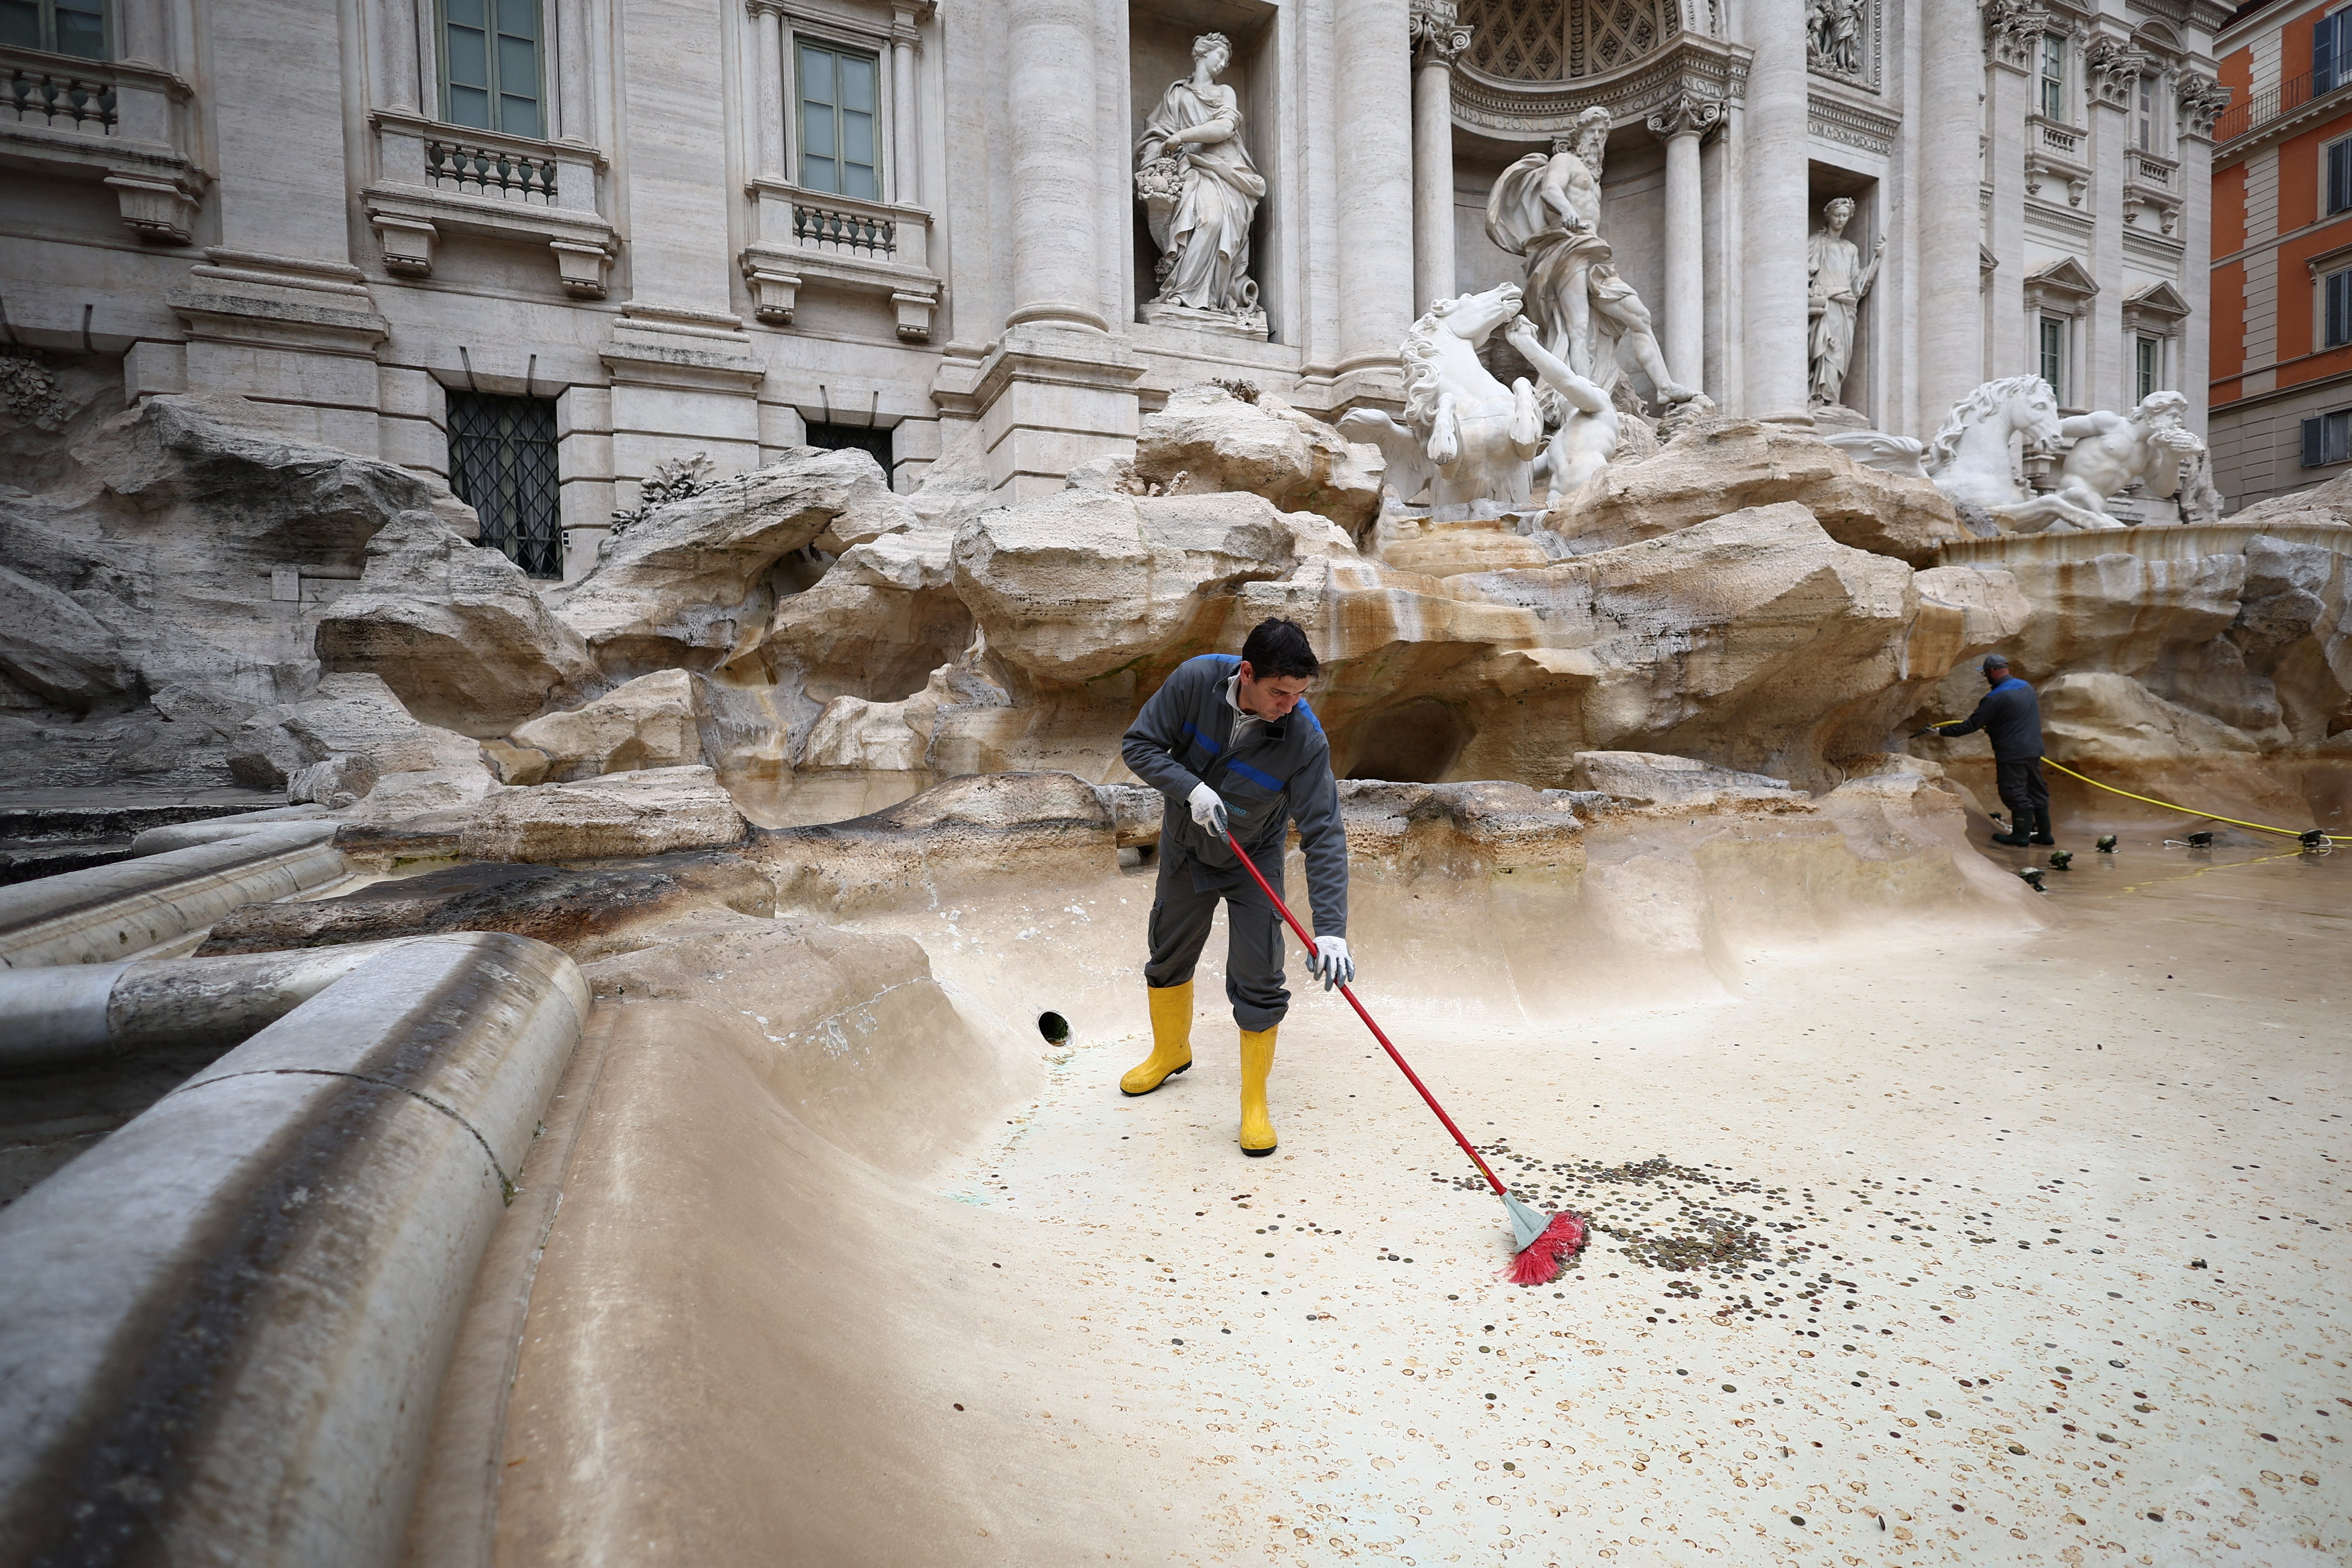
(1232, 745)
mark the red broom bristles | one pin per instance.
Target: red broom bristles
(1546, 1258)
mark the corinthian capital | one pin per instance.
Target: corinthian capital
(1689, 112)
(1437, 32)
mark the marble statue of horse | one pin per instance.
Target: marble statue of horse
(1970, 459)
(1465, 435)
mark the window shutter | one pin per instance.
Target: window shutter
(2311, 439)
(2323, 55)
(2337, 319)
(2339, 174)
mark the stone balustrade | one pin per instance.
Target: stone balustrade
(431, 177)
(128, 126)
(841, 242)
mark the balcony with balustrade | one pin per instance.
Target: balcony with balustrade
(433, 178)
(864, 246)
(130, 127)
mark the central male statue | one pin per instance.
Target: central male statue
(1234, 746)
(1546, 208)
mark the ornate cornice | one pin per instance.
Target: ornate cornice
(1436, 31)
(1835, 119)
(1536, 111)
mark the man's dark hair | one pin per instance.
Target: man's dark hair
(1279, 647)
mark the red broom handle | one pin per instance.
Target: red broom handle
(1402, 1066)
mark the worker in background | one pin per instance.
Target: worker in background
(1231, 743)
(2012, 720)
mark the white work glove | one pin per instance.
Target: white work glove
(1210, 810)
(1329, 962)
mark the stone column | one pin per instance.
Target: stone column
(1949, 351)
(1682, 124)
(768, 74)
(1773, 189)
(575, 120)
(1055, 237)
(906, 181)
(2201, 100)
(2009, 87)
(1375, 72)
(1436, 40)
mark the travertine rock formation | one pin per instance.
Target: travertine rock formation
(1722, 465)
(1206, 440)
(457, 631)
(650, 813)
(1681, 783)
(693, 585)
(646, 722)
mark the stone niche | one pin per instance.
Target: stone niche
(1633, 219)
(1159, 50)
(1863, 376)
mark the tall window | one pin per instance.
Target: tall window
(2054, 354)
(2335, 324)
(61, 26)
(839, 151)
(2339, 174)
(2144, 119)
(2053, 77)
(2148, 363)
(502, 463)
(489, 66)
(2331, 53)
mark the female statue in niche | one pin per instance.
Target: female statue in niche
(1200, 192)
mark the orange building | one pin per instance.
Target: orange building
(2281, 293)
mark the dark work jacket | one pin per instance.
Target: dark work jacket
(1282, 770)
(2011, 718)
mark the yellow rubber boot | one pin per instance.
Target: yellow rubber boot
(1257, 1063)
(1171, 1039)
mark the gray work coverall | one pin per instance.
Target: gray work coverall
(1280, 770)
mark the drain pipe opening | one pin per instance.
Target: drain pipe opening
(1054, 1027)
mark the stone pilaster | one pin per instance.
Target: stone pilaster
(1682, 124)
(1773, 196)
(1437, 38)
(1374, 87)
(1949, 346)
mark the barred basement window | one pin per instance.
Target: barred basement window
(502, 463)
(489, 66)
(2336, 291)
(2327, 438)
(875, 442)
(61, 26)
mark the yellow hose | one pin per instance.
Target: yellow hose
(2192, 811)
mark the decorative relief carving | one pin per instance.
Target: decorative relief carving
(1437, 32)
(1842, 38)
(1528, 111)
(1853, 126)
(1691, 110)
(2112, 69)
(2013, 30)
(2201, 100)
(1560, 40)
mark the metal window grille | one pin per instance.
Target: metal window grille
(489, 66)
(873, 442)
(75, 27)
(838, 100)
(2327, 438)
(502, 463)
(2337, 315)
